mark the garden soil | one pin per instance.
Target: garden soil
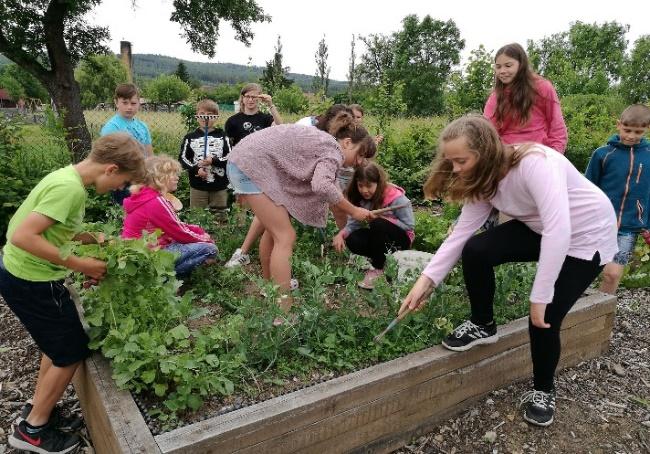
(603, 405)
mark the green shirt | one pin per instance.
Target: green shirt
(60, 196)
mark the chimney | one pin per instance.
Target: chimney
(127, 58)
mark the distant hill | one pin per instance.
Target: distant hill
(147, 66)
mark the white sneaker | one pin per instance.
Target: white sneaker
(238, 259)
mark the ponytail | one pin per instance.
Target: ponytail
(344, 126)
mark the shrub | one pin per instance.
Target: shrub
(590, 120)
(291, 99)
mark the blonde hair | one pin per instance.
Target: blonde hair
(494, 159)
(121, 149)
(159, 170)
(248, 88)
(207, 105)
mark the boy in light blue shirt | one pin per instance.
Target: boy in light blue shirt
(127, 103)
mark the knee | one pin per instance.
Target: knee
(612, 276)
(285, 238)
(474, 250)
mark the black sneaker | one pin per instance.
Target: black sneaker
(539, 407)
(57, 419)
(47, 441)
(467, 335)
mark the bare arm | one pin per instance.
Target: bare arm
(27, 237)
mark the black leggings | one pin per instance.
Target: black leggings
(515, 242)
(380, 237)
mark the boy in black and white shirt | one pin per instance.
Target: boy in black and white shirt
(206, 166)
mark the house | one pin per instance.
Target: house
(5, 99)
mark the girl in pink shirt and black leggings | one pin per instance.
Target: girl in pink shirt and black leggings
(559, 219)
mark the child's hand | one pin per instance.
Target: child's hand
(266, 99)
(379, 139)
(417, 297)
(206, 162)
(338, 242)
(537, 312)
(202, 173)
(91, 267)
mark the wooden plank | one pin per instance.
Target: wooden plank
(396, 413)
(113, 419)
(274, 419)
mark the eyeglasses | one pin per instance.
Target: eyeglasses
(251, 96)
(207, 116)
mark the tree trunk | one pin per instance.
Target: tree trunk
(66, 95)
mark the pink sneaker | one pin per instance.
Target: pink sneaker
(369, 279)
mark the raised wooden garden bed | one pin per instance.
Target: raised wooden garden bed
(377, 409)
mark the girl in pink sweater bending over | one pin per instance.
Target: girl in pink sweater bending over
(148, 210)
(290, 171)
(560, 220)
(524, 106)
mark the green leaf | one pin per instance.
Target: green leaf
(180, 332)
(160, 389)
(148, 376)
(194, 402)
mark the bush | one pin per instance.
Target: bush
(407, 157)
(590, 120)
(291, 99)
(25, 158)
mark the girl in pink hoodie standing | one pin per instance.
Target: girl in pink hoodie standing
(524, 106)
(393, 230)
(148, 210)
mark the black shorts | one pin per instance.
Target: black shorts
(49, 316)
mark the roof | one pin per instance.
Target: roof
(4, 95)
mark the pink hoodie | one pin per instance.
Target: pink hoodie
(148, 210)
(545, 126)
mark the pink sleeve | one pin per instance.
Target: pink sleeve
(163, 216)
(472, 217)
(546, 184)
(556, 137)
(490, 108)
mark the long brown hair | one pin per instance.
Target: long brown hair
(344, 126)
(515, 103)
(494, 160)
(370, 173)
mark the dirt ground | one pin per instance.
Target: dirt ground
(603, 405)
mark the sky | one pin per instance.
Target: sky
(302, 24)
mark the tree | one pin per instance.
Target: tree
(181, 72)
(469, 89)
(351, 69)
(322, 79)
(98, 75)
(635, 82)
(424, 55)
(48, 38)
(588, 59)
(167, 89)
(274, 75)
(291, 99)
(377, 61)
(31, 86)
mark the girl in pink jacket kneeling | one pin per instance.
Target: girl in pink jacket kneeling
(148, 210)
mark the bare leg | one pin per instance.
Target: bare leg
(275, 219)
(266, 248)
(612, 274)
(254, 232)
(49, 389)
(46, 363)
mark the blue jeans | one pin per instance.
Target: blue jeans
(239, 181)
(626, 242)
(191, 255)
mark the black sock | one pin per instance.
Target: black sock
(34, 429)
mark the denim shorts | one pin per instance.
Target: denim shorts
(49, 316)
(239, 181)
(626, 242)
